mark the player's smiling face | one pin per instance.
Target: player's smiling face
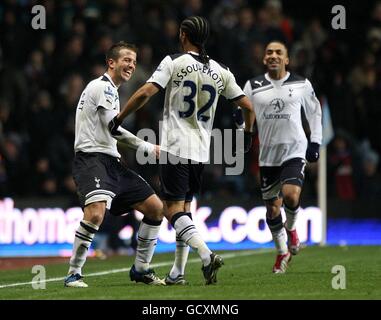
(276, 57)
(126, 64)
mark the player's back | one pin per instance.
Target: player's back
(192, 92)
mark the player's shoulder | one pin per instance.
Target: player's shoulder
(101, 84)
(175, 56)
(258, 82)
(219, 64)
(295, 78)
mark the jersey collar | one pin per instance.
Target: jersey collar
(109, 79)
(277, 82)
(192, 52)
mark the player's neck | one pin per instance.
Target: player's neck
(190, 47)
(277, 75)
(114, 78)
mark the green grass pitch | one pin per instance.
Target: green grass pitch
(246, 275)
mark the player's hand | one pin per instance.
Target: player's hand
(238, 118)
(157, 151)
(312, 153)
(114, 125)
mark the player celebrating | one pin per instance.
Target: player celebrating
(193, 84)
(280, 98)
(102, 181)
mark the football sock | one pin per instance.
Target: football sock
(186, 230)
(181, 256)
(279, 234)
(147, 239)
(291, 215)
(82, 241)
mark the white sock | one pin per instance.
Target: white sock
(181, 257)
(291, 215)
(147, 240)
(82, 241)
(280, 240)
(279, 234)
(186, 230)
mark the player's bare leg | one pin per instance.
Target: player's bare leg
(291, 199)
(275, 223)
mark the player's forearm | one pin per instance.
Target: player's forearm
(133, 141)
(248, 113)
(316, 129)
(138, 100)
(314, 117)
(124, 135)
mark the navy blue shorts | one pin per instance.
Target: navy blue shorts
(272, 178)
(101, 177)
(180, 181)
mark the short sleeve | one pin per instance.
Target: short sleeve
(163, 73)
(232, 90)
(103, 96)
(247, 89)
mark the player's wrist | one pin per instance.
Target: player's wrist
(148, 147)
(114, 125)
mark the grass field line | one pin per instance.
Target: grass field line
(154, 265)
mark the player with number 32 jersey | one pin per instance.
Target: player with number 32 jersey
(192, 91)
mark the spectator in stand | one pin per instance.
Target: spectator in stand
(341, 167)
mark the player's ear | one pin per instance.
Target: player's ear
(286, 61)
(182, 35)
(111, 63)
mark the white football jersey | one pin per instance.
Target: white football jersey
(192, 92)
(91, 135)
(278, 106)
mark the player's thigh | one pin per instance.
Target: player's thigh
(174, 181)
(134, 192)
(270, 183)
(91, 174)
(292, 179)
(151, 207)
(195, 180)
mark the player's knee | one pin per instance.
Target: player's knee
(155, 211)
(291, 199)
(272, 211)
(94, 212)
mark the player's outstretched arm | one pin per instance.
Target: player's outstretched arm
(126, 136)
(138, 100)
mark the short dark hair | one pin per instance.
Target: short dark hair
(197, 30)
(278, 41)
(113, 52)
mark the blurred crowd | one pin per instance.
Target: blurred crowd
(42, 73)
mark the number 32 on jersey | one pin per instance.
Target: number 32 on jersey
(189, 99)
